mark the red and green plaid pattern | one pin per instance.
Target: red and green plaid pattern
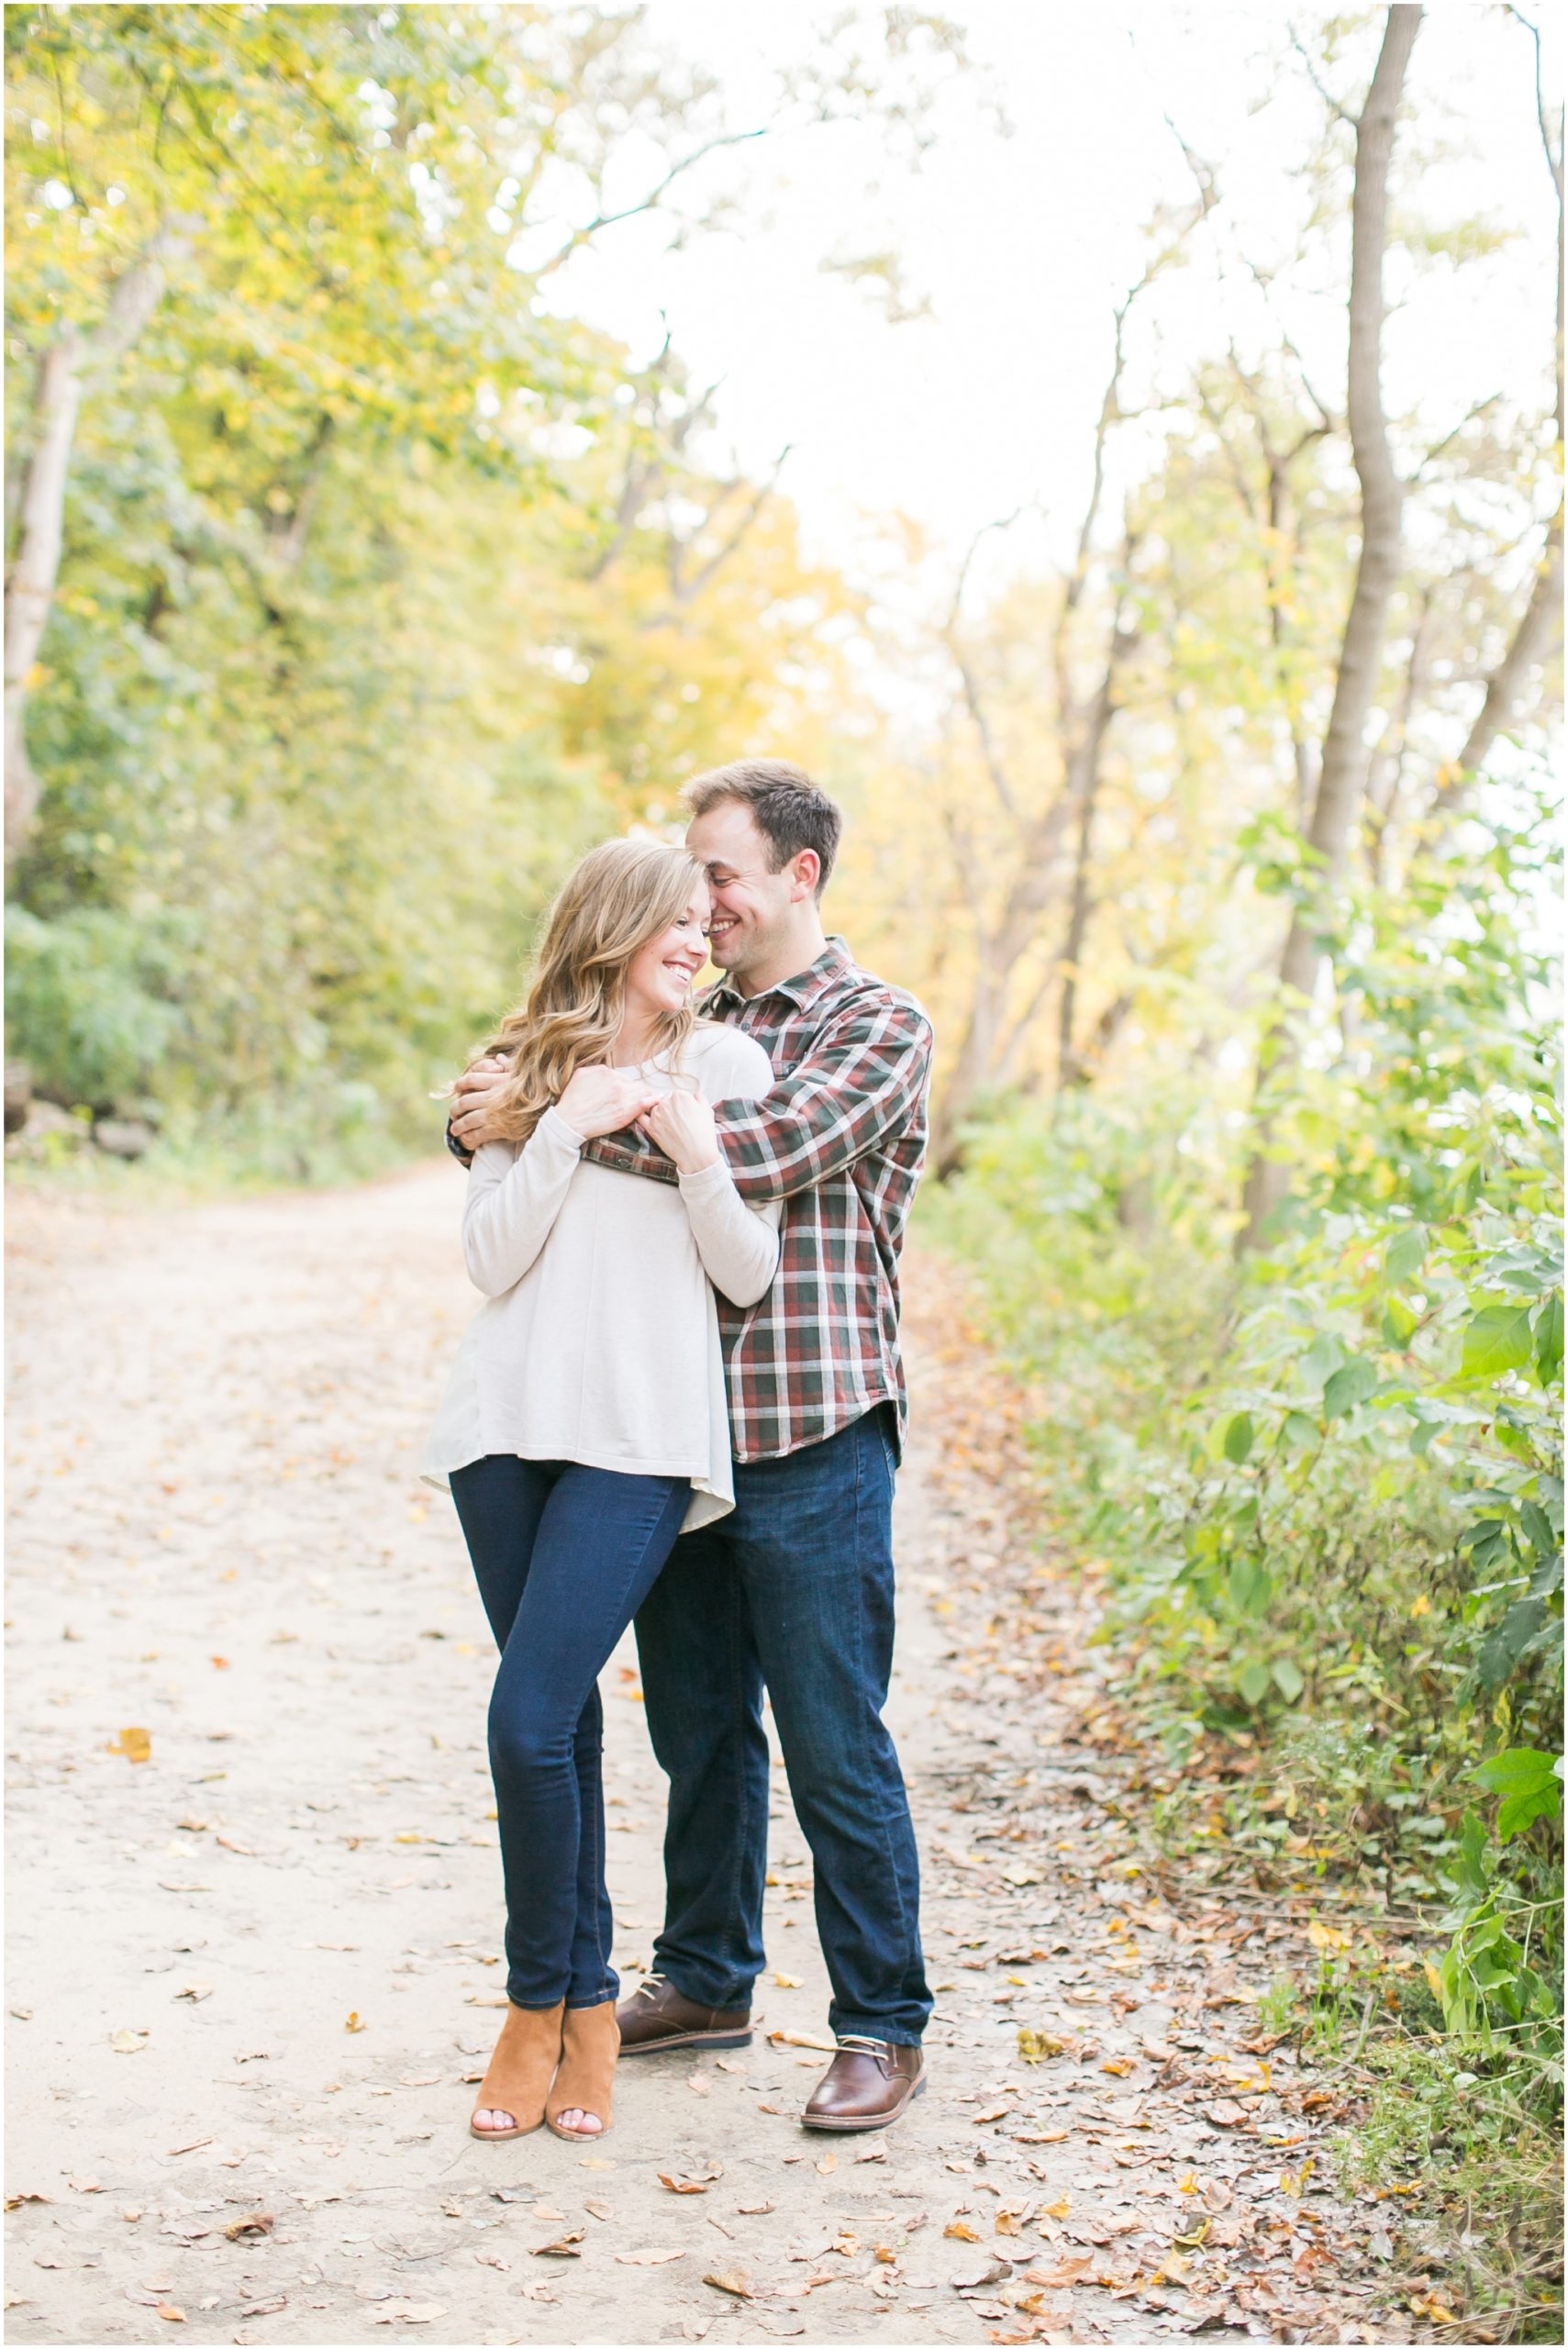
(840, 1139)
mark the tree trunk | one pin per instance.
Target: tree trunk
(1343, 775)
(30, 590)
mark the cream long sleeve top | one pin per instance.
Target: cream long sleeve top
(598, 1338)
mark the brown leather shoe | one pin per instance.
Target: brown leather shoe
(657, 2016)
(866, 2086)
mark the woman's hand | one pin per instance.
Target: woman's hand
(682, 1124)
(601, 1100)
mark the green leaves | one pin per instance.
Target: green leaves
(1283, 1674)
(1239, 1438)
(1287, 1678)
(1352, 1384)
(1497, 1338)
(1529, 1785)
(1405, 1255)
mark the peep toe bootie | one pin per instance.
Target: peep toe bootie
(586, 2082)
(520, 2071)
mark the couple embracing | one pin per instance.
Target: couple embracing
(682, 1403)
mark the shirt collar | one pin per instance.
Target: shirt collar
(804, 989)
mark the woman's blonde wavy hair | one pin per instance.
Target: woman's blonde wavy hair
(622, 894)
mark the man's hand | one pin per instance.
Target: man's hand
(682, 1124)
(473, 1095)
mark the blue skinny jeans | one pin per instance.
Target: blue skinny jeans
(564, 1556)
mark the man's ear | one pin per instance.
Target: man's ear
(806, 869)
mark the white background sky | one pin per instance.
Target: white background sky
(1023, 245)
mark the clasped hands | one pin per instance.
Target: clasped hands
(598, 1100)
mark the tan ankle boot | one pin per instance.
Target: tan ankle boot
(590, 2044)
(521, 2069)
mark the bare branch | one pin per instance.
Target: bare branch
(1438, 446)
(973, 699)
(1506, 686)
(1329, 100)
(651, 201)
(694, 587)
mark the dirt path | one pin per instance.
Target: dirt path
(250, 1975)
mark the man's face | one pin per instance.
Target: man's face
(752, 905)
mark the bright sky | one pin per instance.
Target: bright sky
(1023, 245)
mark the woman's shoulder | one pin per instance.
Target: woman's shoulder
(730, 1062)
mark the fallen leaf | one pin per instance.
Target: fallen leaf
(682, 2185)
(734, 2282)
(195, 1992)
(647, 2259)
(15, 2201)
(743, 2209)
(168, 2311)
(698, 2086)
(825, 2166)
(1034, 2046)
(1119, 2065)
(1066, 2272)
(419, 2080)
(597, 2209)
(995, 2112)
(264, 2307)
(1058, 2209)
(883, 2256)
(252, 2227)
(136, 1745)
(1225, 2114)
(1327, 1936)
(960, 2233)
(1040, 2136)
(802, 2039)
(563, 2247)
(353, 2023)
(129, 2043)
(409, 2312)
(787, 1981)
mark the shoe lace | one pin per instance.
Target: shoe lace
(651, 1985)
(862, 2044)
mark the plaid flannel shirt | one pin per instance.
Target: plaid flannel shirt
(840, 1139)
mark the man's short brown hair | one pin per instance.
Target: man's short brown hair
(789, 810)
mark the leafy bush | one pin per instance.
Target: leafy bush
(1327, 1488)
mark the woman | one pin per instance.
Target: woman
(585, 1426)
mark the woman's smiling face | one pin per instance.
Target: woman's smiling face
(660, 975)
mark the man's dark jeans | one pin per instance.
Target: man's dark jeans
(792, 1591)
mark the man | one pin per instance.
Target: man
(793, 1592)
